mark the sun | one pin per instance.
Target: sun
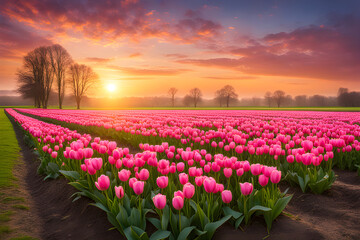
(111, 87)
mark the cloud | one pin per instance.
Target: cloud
(176, 55)
(16, 40)
(231, 78)
(134, 55)
(325, 52)
(109, 21)
(98, 60)
(149, 72)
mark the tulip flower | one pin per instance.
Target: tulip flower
(119, 191)
(144, 174)
(159, 201)
(184, 178)
(103, 183)
(246, 188)
(138, 187)
(209, 185)
(275, 176)
(178, 202)
(226, 196)
(124, 175)
(188, 190)
(162, 181)
(263, 180)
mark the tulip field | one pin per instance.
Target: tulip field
(186, 173)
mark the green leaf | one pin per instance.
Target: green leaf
(139, 233)
(231, 212)
(72, 174)
(165, 218)
(185, 233)
(53, 167)
(160, 234)
(101, 206)
(212, 226)
(258, 208)
(239, 221)
(279, 206)
(155, 222)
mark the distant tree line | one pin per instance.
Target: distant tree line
(47, 67)
(227, 96)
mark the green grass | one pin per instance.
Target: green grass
(24, 238)
(5, 217)
(4, 229)
(12, 199)
(20, 206)
(9, 151)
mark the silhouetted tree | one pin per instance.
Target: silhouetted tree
(195, 94)
(268, 98)
(279, 97)
(172, 92)
(348, 99)
(82, 77)
(36, 75)
(229, 94)
(60, 61)
(220, 96)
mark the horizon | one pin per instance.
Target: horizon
(141, 49)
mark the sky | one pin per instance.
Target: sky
(142, 48)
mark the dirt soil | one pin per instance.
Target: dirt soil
(333, 215)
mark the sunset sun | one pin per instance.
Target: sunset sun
(111, 87)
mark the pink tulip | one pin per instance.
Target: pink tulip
(209, 185)
(159, 201)
(263, 180)
(226, 196)
(178, 202)
(138, 187)
(124, 175)
(256, 169)
(180, 166)
(275, 176)
(54, 154)
(184, 178)
(162, 181)
(119, 191)
(246, 188)
(144, 174)
(103, 183)
(227, 172)
(96, 163)
(132, 181)
(179, 194)
(188, 190)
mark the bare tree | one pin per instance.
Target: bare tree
(172, 92)
(195, 94)
(82, 77)
(36, 76)
(229, 94)
(220, 96)
(268, 98)
(279, 97)
(60, 61)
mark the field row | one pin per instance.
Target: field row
(195, 171)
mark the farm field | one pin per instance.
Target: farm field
(195, 174)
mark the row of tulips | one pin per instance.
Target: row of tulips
(304, 150)
(184, 198)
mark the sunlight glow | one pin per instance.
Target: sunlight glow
(111, 87)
